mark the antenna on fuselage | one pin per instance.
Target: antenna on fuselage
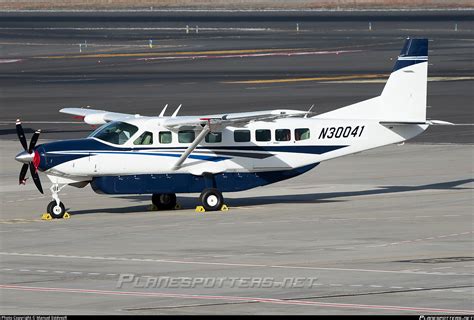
(309, 110)
(163, 111)
(176, 111)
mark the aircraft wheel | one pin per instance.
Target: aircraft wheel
(57, 212)
(211, 199)
(164, 201)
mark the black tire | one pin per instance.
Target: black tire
(56, 212)
(211, 199)
(164, 201)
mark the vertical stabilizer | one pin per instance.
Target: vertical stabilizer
(403, 98)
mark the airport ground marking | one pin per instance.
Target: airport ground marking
(303, 79)
(235, 298)
(176, 53)
(226, 264)
(457, 290)
(249, 55)
(419, 239)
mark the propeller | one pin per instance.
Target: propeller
(29, 157)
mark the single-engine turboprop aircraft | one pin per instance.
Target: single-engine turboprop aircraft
(165, 155)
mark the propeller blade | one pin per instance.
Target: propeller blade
(21, 134)
(35, 176)
(33, 141)
(23, 171)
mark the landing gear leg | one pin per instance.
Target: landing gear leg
(164, 201)
(56, 208)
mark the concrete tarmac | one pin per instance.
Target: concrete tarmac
(236, 62)
(387, 231)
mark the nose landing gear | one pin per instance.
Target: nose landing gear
(56, 208)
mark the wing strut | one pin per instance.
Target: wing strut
(193, 146)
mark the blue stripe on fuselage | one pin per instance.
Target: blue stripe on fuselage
(58, 152)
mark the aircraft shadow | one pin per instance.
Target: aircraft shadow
(188, 202)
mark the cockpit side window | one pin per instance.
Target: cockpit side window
(115, 132)
(146, 138)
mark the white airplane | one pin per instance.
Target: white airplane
(165, 155)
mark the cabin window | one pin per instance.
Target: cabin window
(263, 135)
(145, 138)
(186, 136)
(302, 134)
(282, 134)
(115, 132)
(165, 136)
(214, 137)
(242, 135)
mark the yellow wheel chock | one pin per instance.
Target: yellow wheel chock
(200, 209)
(152, 207)
(47, 216)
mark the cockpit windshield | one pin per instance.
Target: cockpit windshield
(115, 132)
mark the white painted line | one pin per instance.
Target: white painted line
(44, 122)
(395, 287)
(43, 271)
(24, 270)
(9, 60)
(216, 263)
(59, 271)
(375, 286)
(235, 298)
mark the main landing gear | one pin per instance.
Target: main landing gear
(164, 201)
(211, 199)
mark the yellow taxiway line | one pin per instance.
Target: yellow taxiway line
(157, 54)
(333, 78)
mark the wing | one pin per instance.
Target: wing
(212, 122)
(97, 117)
(229, 119)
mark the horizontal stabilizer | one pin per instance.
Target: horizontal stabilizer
(427, 122)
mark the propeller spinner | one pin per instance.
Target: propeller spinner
(28, 157)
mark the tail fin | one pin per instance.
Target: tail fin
(403, 98)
